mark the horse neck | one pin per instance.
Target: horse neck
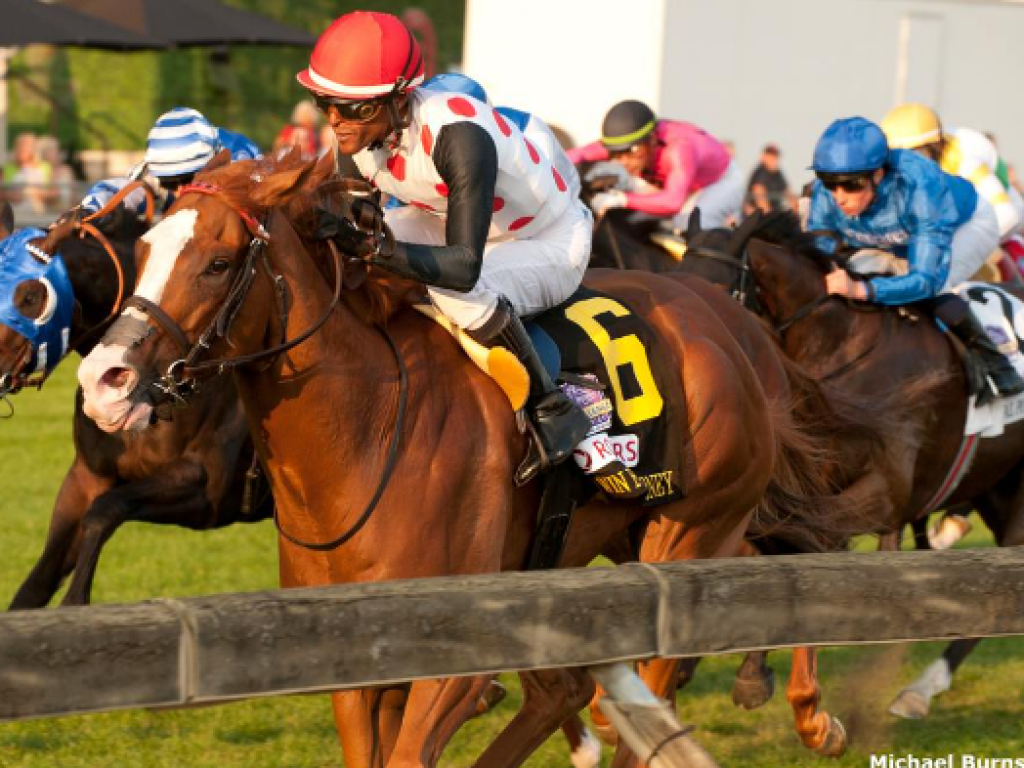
(788, 284)
(336, 391)
(95, 284)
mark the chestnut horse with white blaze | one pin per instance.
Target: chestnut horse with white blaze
(391, 455)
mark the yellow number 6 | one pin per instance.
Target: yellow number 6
(617, 352)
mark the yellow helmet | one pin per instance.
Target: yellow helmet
(910, 126)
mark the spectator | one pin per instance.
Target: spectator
(768, 190)
(302, 131)
(26, 175)
(57, 195)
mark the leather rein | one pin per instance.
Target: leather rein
(741, 293)
(60, 231)
(179, 382)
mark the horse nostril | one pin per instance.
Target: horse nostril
(116, 378)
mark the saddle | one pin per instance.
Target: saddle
(607, 360)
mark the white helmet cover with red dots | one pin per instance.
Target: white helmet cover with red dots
(364, 55)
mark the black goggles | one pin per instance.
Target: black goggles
(845, 183)
(350, 111)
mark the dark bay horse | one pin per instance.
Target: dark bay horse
(391, 455)
(189, 472)
(870, 349)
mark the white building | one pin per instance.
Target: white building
(754, 71)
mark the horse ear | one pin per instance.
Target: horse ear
(275, 190)
(693, 225)
(219, 160)
(741, 236)
(6, 219)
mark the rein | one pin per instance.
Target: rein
(15, 382)
(740, 293)
(178, 384)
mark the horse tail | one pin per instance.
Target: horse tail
(801, 510)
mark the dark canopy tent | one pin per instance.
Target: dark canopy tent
(183, 23)
(26, 22)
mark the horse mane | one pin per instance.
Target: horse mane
(294, 186)
(783, 228)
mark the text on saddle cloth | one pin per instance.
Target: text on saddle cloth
(1002, 315)
(599, 337)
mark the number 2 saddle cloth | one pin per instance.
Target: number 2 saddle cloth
(610, 362)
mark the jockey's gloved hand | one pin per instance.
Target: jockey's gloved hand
(350, 238)
(605, 201)
(609, 175)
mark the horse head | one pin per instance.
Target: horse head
(37, 306)
(212, 293)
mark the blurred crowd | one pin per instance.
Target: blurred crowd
(38, 175)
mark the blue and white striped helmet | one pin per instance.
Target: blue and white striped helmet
(181, 141)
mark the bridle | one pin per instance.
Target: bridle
(12, 383)
(745, 291)
(179, 382)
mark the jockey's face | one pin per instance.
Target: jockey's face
(853, 201)
(637, 158)
(354, 135)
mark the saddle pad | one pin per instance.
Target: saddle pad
(1002, 315)
(598, 335)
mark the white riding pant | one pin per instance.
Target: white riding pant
(973, 242)
(534, 275)
(720, 203)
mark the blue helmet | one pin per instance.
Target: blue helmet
(850, 145)
(456, 82)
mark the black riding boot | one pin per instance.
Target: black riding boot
(560, 423)
(956, 314)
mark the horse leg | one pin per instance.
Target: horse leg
(549, 697)
(174, 496)
(356, 724)
(434, 711)
(920, 529)
(1001, 509)
(755, 681)
(818, 730)
(584, 748)
(890, 542)
(60, 552)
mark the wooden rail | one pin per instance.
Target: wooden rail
(224, 647)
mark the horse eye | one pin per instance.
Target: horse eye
(217, 267)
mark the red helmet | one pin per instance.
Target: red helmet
(364, 55)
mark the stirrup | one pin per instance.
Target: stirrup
(536, 461)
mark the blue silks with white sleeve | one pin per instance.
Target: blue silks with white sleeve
(916, 211)
(50, 332)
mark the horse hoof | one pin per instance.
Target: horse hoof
(492, 696)
(607, 734)
(588, 753)
(834, 744)
(910, 705)
(751, 694)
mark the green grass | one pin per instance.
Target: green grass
(981, 715)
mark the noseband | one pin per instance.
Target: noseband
(180, 381)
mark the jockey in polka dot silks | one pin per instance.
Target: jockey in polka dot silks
(489, 226)
(180, 143)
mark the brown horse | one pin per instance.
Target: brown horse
(189, 472)
(870, 349)
(391, 455)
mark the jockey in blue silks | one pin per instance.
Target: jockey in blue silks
(934, 225)
(180, 143)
